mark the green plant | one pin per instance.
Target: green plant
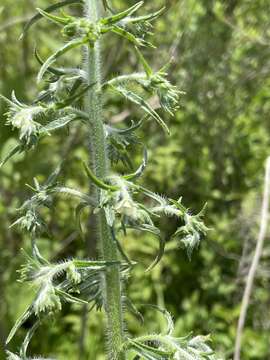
(118, 201)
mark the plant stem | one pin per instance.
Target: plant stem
(255, 261)
(81, 354)
(107, 247)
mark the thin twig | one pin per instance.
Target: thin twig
(255, 261)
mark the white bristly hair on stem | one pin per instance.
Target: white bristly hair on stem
(106, 244)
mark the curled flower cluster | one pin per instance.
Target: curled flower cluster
(24, 119)
(122, 203)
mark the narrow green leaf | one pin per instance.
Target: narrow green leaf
(155, 231)
(134, 126)
(9, 102)
(70, 100)
(160, 253)
(53, 70)
(78, 212)
(69, 46)
(73, 192)
(133, 309)
(150, 352)
(130, 37)
(76, 85)
(140, 170)
(56, 19)
(167, 315)
(117, 17)
(99, 183)
(70, 298)
(138, 100)
(120, 248)
(56, 124)
(15, 100)
(21, 320)
(146, 66)
(15, 150)
(28, 338)
(54, 175)
(148, 17)
(105, 4)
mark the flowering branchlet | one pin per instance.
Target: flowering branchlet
(24, 119)
(190, 234)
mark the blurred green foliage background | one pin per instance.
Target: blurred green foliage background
(220, 139)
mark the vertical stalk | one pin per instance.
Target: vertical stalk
(107, 247)
(255, 261)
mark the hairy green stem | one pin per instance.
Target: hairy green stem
(106, 244)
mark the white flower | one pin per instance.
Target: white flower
(23, 120)
(47, 299)
(127, 207)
